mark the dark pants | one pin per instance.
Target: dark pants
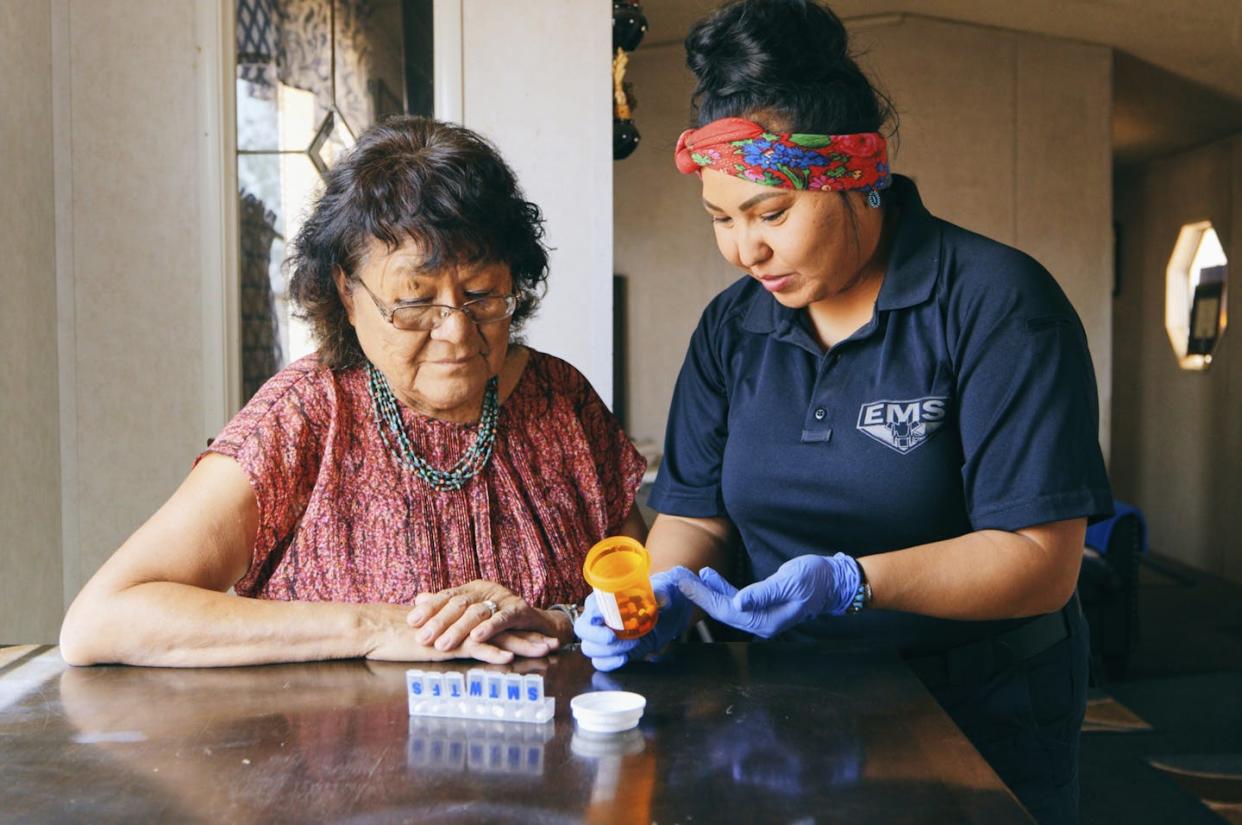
(1026, 721)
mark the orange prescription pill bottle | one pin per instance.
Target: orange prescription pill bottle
(618, 568)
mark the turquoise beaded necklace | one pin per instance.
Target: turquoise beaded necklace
(471, 463)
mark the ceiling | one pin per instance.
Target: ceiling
(1177, 77)
(1200, 40)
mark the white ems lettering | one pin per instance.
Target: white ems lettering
(903, 425)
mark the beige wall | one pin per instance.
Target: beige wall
(1007, 134)
(102, 105)
(1177, 433)
(136, 283)
(545, 105)
(30, 542)
(663, 241)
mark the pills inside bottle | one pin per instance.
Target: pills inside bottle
(618, 568)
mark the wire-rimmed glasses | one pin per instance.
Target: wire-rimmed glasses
(424, 317)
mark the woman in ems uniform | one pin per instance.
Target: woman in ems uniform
(890, 421)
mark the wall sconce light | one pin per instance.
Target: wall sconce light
(1195, 314)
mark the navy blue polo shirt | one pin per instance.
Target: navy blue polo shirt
(967, 402)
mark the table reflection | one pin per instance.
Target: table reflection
(742, 732)
(483, 746)
(326, 734)
(625, 776)
(802, 730)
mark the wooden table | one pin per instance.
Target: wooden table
(732, 733)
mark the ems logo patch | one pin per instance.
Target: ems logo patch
(902, 425)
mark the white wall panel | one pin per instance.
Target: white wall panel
(535, 80)
(30, 552)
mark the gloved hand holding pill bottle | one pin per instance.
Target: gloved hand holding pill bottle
(631, 614)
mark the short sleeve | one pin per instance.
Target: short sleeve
(1028, 409)
(619, 465)
(277, 441)
(689, 481)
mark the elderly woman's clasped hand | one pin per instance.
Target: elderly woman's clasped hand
(393, 640)
(484, 611)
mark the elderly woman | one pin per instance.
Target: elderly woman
(422, 487)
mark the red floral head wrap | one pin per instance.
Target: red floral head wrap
(744, 149)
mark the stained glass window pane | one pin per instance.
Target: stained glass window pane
(311, 76)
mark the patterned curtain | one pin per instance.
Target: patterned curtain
(260, 329)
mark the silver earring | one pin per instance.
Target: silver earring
(873, 199)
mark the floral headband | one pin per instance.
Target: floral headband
(835, 163)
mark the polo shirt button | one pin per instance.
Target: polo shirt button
(820, 413)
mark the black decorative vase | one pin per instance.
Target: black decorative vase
(625, 138)
(629, 24)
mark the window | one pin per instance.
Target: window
(1195, 316)
(311, 75)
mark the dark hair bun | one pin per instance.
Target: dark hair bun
(787, 60)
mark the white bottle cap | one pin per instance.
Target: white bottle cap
(607, 711)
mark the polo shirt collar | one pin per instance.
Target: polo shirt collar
(914, 260)
(913, 266)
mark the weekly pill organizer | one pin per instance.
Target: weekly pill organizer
(479, 694)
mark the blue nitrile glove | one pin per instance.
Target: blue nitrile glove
(607, 652)
(802, 588)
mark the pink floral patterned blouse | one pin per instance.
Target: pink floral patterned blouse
(342, 519)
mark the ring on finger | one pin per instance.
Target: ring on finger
(491, 606)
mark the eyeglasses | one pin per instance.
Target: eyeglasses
(423, 317)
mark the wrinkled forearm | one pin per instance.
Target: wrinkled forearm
(178, 625)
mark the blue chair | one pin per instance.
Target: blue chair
(1108, 587)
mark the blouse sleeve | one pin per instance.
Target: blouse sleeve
(277, 441)
(1027, 406)
(618, 463)
(619, 466)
